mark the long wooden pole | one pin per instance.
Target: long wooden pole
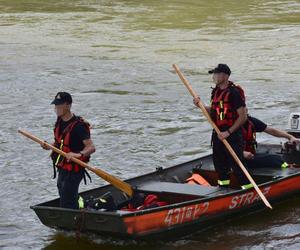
(121, 185)
(227, 145)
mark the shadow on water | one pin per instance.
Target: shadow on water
(61, 241)
(189, 14)
(66, 242)
(49, 6)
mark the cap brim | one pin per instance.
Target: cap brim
(214, 71)
(57, 102)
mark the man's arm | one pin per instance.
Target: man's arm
(89, 147)
(248, 155)
(282, 134)
(242, 112)
(197, 103)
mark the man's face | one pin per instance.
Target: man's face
(62, 109)
(219, 78)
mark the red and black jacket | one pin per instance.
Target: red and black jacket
(62, 141)
(222, 112)
(249, 137)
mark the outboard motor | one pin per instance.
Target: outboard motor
(293, 129)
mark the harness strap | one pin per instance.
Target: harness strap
(86, 174)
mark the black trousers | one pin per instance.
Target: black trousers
(222, 159)
(261, 160)
(68, 185)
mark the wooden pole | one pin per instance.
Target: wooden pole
(121, 185)
(227, 145)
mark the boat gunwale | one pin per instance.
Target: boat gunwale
(172, 206)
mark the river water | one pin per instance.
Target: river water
(116, 58)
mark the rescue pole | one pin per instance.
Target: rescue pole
(227, 145)
(119, 184)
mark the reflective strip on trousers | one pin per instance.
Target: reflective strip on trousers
(80, 202)
(247, 186)
(223, 182)
(284, 165)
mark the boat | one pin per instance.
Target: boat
(188, 207)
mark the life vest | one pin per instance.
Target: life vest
(62, 141)
(222, 112)
(249, 137)
(149, 201)
(197, 179)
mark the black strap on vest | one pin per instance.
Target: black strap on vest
(84, 176)
(54, 170)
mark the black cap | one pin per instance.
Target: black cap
(61, 98)
(221, 68)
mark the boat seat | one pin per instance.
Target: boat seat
(182, 188)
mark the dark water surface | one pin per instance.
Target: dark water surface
(115, 57)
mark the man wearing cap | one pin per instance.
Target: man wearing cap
(228, 111)
(71, 135)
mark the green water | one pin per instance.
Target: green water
(115, 58)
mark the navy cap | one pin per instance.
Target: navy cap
(221, 68)
(61, 98)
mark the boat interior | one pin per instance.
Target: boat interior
(169, 184)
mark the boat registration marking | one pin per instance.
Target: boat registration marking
(183, 214)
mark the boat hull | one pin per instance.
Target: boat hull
(191, 206)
